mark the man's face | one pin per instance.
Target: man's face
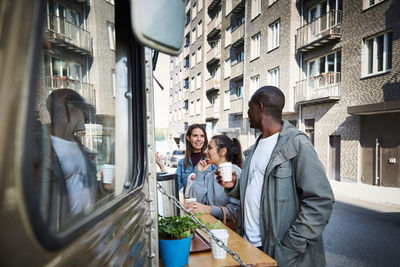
(77, 120)
(252, 112)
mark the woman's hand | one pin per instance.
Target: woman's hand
(197, 207)
(160, 163)
(203, 165)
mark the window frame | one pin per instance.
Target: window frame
(385, 54)
(274, 33)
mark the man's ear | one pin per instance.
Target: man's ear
(260, 106)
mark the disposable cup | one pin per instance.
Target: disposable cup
(108, 173)
(226, 171)
(217, 251)
(190, 199)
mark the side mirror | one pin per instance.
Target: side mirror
(159, 24)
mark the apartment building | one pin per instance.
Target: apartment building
(337, 62)
(79, 54)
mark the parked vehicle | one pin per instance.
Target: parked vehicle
(176, 155)
(86, 66)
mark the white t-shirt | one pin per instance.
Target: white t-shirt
(252, 199)
(74, 170)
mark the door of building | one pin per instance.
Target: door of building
(334, 157)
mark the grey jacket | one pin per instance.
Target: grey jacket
(296, 200)
(207, 191)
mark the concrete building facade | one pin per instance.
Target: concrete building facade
(337, 62)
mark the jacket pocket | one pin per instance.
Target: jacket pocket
(285, 256)
(283, 182)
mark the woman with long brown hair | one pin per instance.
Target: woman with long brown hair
(196, 143)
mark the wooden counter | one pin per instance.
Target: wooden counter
(247, 252)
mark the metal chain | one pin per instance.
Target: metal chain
(219, 242)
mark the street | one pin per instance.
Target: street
(362, 234)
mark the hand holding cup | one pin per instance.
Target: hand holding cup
(226, 184)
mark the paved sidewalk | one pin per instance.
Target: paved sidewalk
(377, 194)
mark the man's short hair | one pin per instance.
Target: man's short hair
(69, 96)
(272, 98)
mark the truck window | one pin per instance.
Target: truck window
(82, 120)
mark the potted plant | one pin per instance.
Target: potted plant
(175, 233)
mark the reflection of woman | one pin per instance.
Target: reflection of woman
(209, 194)
(196, 143)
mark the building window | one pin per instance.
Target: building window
(187, 22)
(254, 84)
(200, 5)
(199, 55)
(113, 82)
(378, 54)
(227, 68)
(255, 46)
(198, 81)
(309, 128)
(270, 2)
(186, 86)
(237, 89)
(255, 8)
(186, 62)
(228, 7)
(193, 35)
(111, 36)
(199, 29)
(324, 71)
(192, 84)
(273, 35)
(191, 108)
(228, 36)
(186, 105)
(193, 60)
(240, 19)
(198, 107)
(369, 3)
(194, 11)
(240, 55)
(186, 126)
(273, 77)
(227, 100)
(187, 40)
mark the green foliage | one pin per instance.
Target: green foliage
(175, 227)
(216, 225)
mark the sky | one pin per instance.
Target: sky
(161, 97)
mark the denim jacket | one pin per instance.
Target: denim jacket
(183, 173)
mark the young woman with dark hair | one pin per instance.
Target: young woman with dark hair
(196, 143)
(210, 195)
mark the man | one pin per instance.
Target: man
(68, 172)
(286, 199)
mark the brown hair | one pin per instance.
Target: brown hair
(188, 151)
(233, 148)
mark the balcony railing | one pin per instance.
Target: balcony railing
(320, 31)
(86, 90)
(213, 83)
(210, 112)
(324, 87)
(214, 54)
(214, 26)
(236, 106)
(237, 70)
(238, 36)
(67, 34)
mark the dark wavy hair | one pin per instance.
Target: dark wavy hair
(233, 148)
(188, 151)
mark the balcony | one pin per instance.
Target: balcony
(214, 27)
(236, 106)
(238, 36)
(237, 71)
(323, 30)
(214, 55)
(319, 89)
(211, 114)
(66, 34)
(237, 5)
(213, 84)
(211, 4)
(84, 89)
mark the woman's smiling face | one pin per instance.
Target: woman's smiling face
(212, 153)
(196, 139)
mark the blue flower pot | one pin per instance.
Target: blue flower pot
(174, 252)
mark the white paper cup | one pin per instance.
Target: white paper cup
(190, 200)
(108, 173)
(226, 171)
(217, 251)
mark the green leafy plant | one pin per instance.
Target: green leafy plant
(175, 227)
